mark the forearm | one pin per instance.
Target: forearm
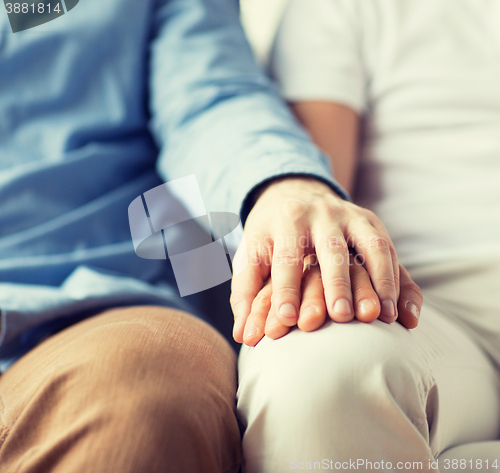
(335, 129)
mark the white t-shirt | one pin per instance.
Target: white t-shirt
(426, 75)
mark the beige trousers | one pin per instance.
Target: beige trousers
(350, 394)
(137, 390)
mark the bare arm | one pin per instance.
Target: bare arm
(335, 129)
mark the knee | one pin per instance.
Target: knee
(345, 391)
(140, 345)
(335, 372)
(169, 378)
(145, 352)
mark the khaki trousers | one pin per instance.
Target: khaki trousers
(135, 390)
(350, 394)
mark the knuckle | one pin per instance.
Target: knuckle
(359, 277)
(287, 257)
(397, 281)
(335, 243)
(313, 277)
(285, 291)
(413, 288)
(359, 289)
(356, 222)
(377, 242)
(332, 258)
(260, 300)
(312, 285)
(370, 215)
(339, 283)
(393, 252)
(386, 282)
(292, 209)
(236, 301)
(287, 288)
(325, 208)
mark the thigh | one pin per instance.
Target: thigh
(118, 383)
(465, 290)
(116, 346)
(444, 384)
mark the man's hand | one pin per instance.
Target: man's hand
(293, 219)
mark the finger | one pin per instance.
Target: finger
(288, 262)
(246, 285)
(376, 252)
(256, 321)
(312, 308)
(410, 301)
(333, 256)
(274, 328)
(366, 302)
(394, 256)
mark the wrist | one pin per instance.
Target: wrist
(289, 185)
(292, 186)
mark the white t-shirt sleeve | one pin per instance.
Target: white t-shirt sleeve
(317, 54)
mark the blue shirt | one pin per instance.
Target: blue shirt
(101, 105)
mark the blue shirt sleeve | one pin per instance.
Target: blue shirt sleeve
(215, 113)
(76, 150)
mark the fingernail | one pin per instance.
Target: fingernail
(388, 309)
(251, 331)
(309, 312)
(413, 308)
(343, 307)
(288, 310)
(365, 306)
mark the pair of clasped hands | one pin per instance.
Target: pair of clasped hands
(299, 269)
